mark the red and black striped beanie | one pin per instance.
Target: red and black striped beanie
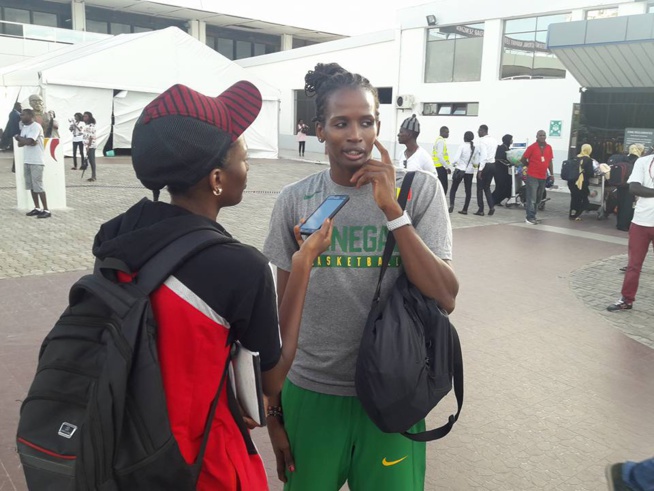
(182, 135)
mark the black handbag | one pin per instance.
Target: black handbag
(409, 357)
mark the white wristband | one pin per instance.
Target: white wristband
(398, 222)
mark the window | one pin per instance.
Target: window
(525, 53)
(243, 49)
(650, 9)
(96, 26)
(44, 19)
(385, 95)
(142, 29)
(601, 13)
(15, 15)
(259, 49)
(226, 48)
(454, 53)
(117, 28)
(450, 109)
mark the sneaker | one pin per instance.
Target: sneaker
(479, 213)
(531, 221)
(44, 214)
(620, 305)
(33, 213)
(614, 478)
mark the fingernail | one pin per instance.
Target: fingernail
(291, 468)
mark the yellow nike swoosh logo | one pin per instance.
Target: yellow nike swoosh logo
(386, 463)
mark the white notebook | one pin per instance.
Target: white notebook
(245, 374)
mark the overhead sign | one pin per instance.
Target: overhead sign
(644, 136)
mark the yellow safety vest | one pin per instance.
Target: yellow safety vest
(434, 155)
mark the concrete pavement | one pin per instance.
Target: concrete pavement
(556, 387)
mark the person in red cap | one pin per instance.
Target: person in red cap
(193, 145)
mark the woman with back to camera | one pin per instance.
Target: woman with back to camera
(223, 292)
(579, 189)
(77, 129)
(466, 161)
(503, 175)
(321, 435)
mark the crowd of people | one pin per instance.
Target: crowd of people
(487, 161)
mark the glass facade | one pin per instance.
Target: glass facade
(524, 50)
(454, 53)
(235, 45)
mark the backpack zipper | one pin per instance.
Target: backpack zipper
(121, 343)
(66, 368)
(49, 397)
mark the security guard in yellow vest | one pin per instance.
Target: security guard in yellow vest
(441, 158)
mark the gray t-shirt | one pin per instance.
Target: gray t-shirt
(343, 279)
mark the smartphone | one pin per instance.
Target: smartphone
(327, 209)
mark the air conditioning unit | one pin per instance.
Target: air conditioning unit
(404, 102)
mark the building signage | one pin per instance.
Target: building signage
(644, 136)
(556, 127)
(509, 42)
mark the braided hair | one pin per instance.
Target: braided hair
(468, 137)
(325, 79)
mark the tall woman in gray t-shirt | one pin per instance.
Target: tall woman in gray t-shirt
(319, 430)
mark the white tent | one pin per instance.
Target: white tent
(120, 75)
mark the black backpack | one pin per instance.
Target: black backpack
(95, 417)
(570, 170)
(409, 355)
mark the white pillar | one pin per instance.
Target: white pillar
(578, 14)
(198, 30)
(78, 11)
(287, 42)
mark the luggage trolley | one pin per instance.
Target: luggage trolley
(596, 186)
(515, 169)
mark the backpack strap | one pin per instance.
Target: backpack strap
(435, 434)
(196, 468)
(390, 238)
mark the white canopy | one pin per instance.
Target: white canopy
(120, 75)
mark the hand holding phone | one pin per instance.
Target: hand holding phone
(327, 209)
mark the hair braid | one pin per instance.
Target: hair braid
(327, 78)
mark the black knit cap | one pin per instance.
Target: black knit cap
(182, 135)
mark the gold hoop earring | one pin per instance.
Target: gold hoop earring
(218, 191)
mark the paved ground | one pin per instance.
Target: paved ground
(554, 387)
